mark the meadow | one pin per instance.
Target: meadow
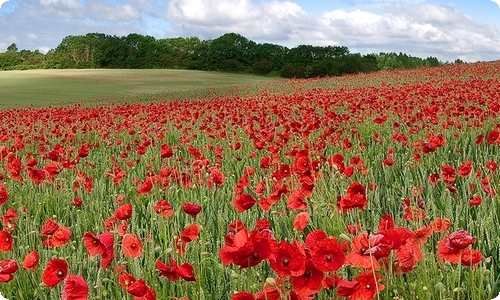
(39, 88)
(368, 186)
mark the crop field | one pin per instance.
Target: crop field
(39, 88)
(370, 186)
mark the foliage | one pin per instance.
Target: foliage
(230, 52)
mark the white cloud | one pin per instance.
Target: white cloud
(414, 27)
(497, 2)
(60, 8)
(421, 30)
(275, 20)
(114, 12)
(2, 2)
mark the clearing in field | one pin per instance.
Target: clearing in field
(99, 86)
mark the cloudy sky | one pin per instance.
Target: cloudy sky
(464, 29)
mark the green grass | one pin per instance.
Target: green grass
(58, 87)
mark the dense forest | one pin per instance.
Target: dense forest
(230, 52)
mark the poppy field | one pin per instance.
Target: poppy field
(369, 186)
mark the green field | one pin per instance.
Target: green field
(95, 86)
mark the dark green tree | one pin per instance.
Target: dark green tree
(231, 52)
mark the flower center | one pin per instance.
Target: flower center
(255, 256)
(286, 262)
(60, 273)
(328, 258)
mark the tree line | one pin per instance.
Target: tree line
(230, 52)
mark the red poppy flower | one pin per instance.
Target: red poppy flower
(122, 228)
(190, 233)
(8, 218)
(150, 295)
(4, 195)
(31, 260)
(451, 247)
(492, 166)
(471, 257)
(31, 162)
(448, 173)
(49, 228)
(246, 249)
(36, 175)
(244, 202)
(301, 164)
(93, 245)
(300, 221)
(407, 255)
(493, 136)
(363, 252)
(284, 172)
(479, 139)
(55, 271)
(346, 288)
(465, 169)
(166, 151)
(217, 177)
(53, 169)
(448, 253)
(288, 259)
(109, 254)
(131, 246)
(355, 198)
(110, 223)
(186, 271)
(164, 209)
(60, 237)
(243, 296)
(422, 234)
(297, 200)
(441, 224)
(117, 174)
(138, 288)
(327, 255)
(77, 201)
(389, 161)
(7, 269)
(84, 149)
(365, 286)
(476, 200)
(308, 283)
(124, 212)
(353, 229)
(460, 239)
(386, 222)
(74, 288)
(433, 178)
(192, 209)
(5, 241)
(146, 186)
(168, 271)
(125, 279)
(314, 236)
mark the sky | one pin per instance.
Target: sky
(448, 30)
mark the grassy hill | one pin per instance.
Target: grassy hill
(98, 86)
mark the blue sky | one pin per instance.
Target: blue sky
(465, 29)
